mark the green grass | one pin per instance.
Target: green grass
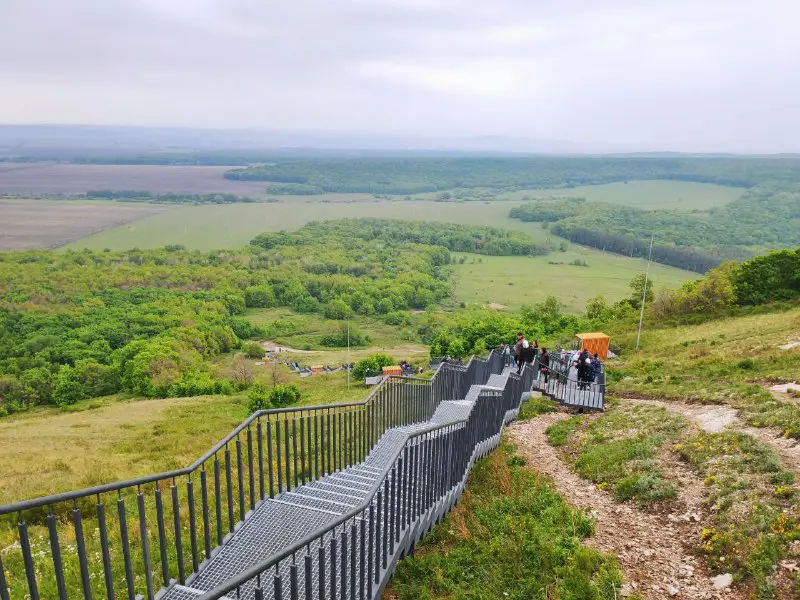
(755, 516)
(618, 450)
(725, 361)
(514, 281)
(510, 536)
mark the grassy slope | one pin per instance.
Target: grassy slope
(49, 451)
(723, 361)
(534, 279)
(511, 536)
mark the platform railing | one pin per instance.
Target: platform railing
(131, 538)
(569, 390)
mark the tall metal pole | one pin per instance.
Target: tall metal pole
(644, 291)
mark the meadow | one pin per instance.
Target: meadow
(514, 281)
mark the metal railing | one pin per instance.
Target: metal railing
(130, 538)
(562, 384)
(355, 555)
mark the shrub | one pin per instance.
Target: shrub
(372, 364)
(253, 350)
(261, 397)
(340, 338)
(337, 310)
(259, 296)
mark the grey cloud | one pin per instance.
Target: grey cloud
(621, 74)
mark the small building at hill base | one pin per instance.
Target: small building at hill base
(596, 343)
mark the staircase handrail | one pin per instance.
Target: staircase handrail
(44, 501)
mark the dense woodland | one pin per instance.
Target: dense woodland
(167, 197)
(81, 324)
(766, 217)
(412, 175)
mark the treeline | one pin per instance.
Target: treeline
(773, 277)
(412, 175)
(764, 217)
(456, 238)
(167, 197)
(79, 324)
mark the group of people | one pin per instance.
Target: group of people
(588, 367)
(524, 353)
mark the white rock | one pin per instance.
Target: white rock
(722, 581)
(673, 591)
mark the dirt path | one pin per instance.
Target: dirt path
(715, 418)
(654, 550)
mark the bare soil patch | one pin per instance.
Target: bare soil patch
(654, 549)
(496, 306)
(41, 224)
(45, 179)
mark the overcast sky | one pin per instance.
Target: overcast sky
(693, 75)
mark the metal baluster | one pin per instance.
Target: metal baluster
(393, 505)
(80, 543)
(279, 452)
(321, 569)
(126, 548)
(343, 562)
(317, 447)
(250, 473)
(311, 450)
(259, 592)
(30, 572)
(269, 460)
(362, 576)
(334, 442)
(145, 541)
(350, 448)
(218, 498)
(286, 447)
(176, 523)
(333, 564)
(229, 488)
(240, 477)
(385, 528)
(353, 539)
(206, 524)
(162, 537)
(307, 573)
(294, 452)
(192, 524)
(303, 449)
(260, 446)
(329, 450)
(55, 549)
(294, 593)
(372, 542)
(3, 584)
(277, 582)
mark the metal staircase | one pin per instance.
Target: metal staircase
(313, 503)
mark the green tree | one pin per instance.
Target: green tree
(372, 365)
(253, 350)
(259, 296)
(337, 310)
(637, 286)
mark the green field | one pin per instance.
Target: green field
(517, 280)
(232, 226)
(680, 195)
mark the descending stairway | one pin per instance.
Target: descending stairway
(293, 515)
(305, 502)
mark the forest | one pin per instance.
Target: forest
(765, 217)
(81, 324)
(413, 175)
(167, 197)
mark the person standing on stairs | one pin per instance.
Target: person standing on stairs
(518, 352)
(544, 364)
(525, 355)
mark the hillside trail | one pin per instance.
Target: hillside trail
(713, 418)
(654, 549)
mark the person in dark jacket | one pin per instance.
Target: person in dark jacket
(584, 366)
(597, 366)
(544, 364)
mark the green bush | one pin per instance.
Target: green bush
(372, 365)
(337, 309)
(340, 338)
(253, 350)
(261, 397)
(260, 296)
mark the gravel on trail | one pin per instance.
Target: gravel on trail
(654, 549)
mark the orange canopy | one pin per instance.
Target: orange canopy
(596, 343)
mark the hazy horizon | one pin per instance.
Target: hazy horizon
(715, 77)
